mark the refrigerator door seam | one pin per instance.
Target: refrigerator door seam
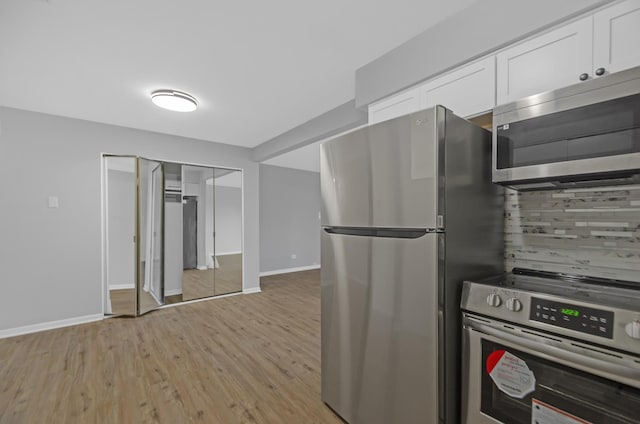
(405, 233)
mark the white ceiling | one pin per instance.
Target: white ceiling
(257, 68)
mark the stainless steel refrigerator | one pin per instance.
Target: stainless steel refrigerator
(408, 212)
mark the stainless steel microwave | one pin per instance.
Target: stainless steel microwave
(585, 134)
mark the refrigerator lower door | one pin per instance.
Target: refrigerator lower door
(380, 328)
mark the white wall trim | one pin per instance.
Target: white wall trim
(229, 253)
(288, 270)
(172, 292)
(252, 290)
(202, 268)
(34, 328)
(121, 286)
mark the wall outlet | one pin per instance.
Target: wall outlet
(293, 256)
(53, 202)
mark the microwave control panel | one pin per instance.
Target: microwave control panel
(572, 317)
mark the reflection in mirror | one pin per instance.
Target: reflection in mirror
(227, 242)
(203, 232)
(150, 235)
(120, 213)
(197, 230)
(173, 233)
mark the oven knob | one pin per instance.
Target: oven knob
(633, 329)
(494, 300)
(514, 305)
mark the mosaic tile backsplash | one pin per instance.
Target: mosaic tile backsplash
(587, 231)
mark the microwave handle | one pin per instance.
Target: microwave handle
(576, 359)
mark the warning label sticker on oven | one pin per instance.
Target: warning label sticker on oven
(542, 413)
(510, 374)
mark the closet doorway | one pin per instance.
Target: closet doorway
(172, 233)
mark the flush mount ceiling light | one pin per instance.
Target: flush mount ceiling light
(174, 100)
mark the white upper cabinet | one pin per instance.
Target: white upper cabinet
(466, 91)
(556, 59)
(604, 42)
(392, 107)
(616, 38)
(598, 45)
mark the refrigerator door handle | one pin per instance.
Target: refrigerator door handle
(406, 233)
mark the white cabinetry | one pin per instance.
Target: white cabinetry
(547, 62)
(589, 48)
(596, 45)
(466, 91)
(398, 105)
(616, 37)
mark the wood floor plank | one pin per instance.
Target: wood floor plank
(241, 359)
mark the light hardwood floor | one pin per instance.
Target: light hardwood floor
(241, 359)
(227, 278)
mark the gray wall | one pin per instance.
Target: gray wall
(63, 158)
(339, 119)
(289, 218)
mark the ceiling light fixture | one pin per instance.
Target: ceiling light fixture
(174, 100)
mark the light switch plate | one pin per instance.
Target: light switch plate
(53, 202)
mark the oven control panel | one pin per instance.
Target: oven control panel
(572, 317)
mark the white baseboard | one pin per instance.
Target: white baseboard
(121, 286)
(172, 292)
(202, 268)
(34, 328)
(252, 290)
(229, 253)
(288, 270)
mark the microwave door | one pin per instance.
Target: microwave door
(568, 138)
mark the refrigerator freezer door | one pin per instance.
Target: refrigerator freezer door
(384, 175)
(379, 328)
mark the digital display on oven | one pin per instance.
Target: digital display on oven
(585, 320)
(570, 312)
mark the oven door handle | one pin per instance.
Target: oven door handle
(580, 358)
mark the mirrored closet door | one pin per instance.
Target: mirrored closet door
(134, 230)
(203, 230)
(227, 246)
(197, 232)
(173, 233)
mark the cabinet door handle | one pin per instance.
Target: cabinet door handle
(600, 71)
(584, 77)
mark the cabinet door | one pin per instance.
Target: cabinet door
(616, 37)
(466, 91)
(398, 105)
(550, 61)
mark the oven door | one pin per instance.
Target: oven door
(519, 376)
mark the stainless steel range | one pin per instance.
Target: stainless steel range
(545, 348)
